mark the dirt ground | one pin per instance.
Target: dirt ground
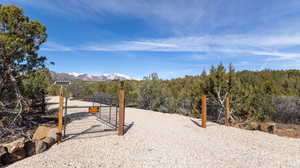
(163, 140)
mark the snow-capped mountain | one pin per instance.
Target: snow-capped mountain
(88, 77)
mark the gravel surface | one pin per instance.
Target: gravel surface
(164, 140)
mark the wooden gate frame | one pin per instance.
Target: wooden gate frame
(121, 110)
(121, 121)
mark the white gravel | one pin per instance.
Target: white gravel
(166, 140)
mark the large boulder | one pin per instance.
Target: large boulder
(41, 133)
(15, 145)
(40, 146)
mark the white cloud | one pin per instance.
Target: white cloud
(235, 44)
(229, 44)
(52, 46)
(280, 55)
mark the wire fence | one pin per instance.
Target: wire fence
(108, 108)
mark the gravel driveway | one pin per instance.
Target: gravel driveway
(164, 140)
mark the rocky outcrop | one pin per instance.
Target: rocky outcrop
(289, 130)
(43, 139)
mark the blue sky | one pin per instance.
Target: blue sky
(172, 37)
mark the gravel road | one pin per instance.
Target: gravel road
(164, 140)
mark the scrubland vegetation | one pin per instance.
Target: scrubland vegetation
(268, 95)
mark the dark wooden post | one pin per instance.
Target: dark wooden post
(227, 114)
(60, 116)
(203, 111)
(121, 110)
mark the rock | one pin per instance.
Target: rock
(15, 145)
(41, 133)
(287, 132)
(267, 127)
(40, 146)
(3, 150)
(9, 158)
(239, 125)
(49, 141)
(254, 125)
(19, 154)
(13, 151)
(29, 148)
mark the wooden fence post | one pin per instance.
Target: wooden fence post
(121, 110)
(203, 111)
(227, 114)
(60, 116)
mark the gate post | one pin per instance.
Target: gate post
(121, 110)
(203, 111)
(227, 114)
(60, 116)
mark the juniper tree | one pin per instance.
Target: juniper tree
(20, 40)
(218, 86)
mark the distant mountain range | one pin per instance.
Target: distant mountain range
(88, 77)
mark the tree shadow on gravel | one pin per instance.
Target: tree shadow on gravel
(127, 127)
(78, 116)
(90, 130)
(197, 123)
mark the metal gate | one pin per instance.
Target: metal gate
(107, 111)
